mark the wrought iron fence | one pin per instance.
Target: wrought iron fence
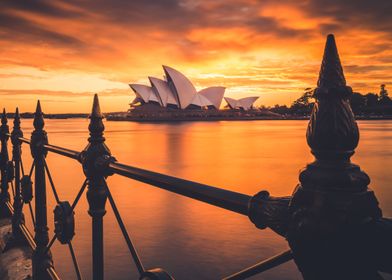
(332, 222)
(97, 164)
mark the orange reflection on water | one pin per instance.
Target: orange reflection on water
(190, 239)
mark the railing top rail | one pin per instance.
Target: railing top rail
(63, 151)
(56, 149)
(222, 198)
(226, 199)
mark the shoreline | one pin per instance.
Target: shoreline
(115, 117)
(236, 118)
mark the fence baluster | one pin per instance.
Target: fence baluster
(42, 258)
(4, 195)
(18, 217)
(96, 194)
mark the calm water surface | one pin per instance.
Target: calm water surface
(190, 239)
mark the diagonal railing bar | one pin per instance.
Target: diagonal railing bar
(31, 169)
(30, 174)
(31, 213)
(30, 206)
(84, 185)
(56, 196)
(21, 166)
(74, 260)
(51, 242)
(124, 231)
(262, 266)
(71, 250)
(12, 188)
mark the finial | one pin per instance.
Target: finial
(331, 80)
(331, 72)
(38, 117)
(96, 110)
(96, 126)
(4, 117)
(38, 108)
(17, 119)
(332, 130)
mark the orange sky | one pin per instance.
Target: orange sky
(62, 52)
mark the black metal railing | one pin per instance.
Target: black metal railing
(332, 222)
(97, 163)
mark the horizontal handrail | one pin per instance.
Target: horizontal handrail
(62, 151)
(233, 201)
(24, 140)
(56, 149)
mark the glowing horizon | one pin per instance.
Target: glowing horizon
(63, 52)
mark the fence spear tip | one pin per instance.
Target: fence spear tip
(38, 108)
(96, 110)
(4, 117)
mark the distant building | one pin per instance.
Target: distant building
(243, 103)
(176, 91)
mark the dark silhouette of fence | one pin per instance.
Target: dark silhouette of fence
(332, 221)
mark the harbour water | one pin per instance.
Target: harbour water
(190, 239)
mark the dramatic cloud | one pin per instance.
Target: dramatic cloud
(268, 48)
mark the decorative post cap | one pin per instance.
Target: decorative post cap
(96, 109)
(331, 72)
(4, 117)
(17, 119)
(96, 126)
(332, 131)
(38, 117)
(39, 136)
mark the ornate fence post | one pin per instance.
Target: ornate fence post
(335, 230)
(18, 217)
(42, 258)
(4, 195)
(95, 151)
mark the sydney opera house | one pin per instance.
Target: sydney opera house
(176, 91)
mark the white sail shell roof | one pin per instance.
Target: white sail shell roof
(214, 94)
(183, 88)
(163, 90)
(145, 93)
(243, 103)
(231, 102)
(201, 101)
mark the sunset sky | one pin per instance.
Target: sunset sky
(62, 52)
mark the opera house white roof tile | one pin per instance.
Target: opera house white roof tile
(181, 85)
(243, 103)
(143, 92)
(214, 94)
(201, 101)
(163, 90)
(178, 90)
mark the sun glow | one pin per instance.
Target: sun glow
(64, 52)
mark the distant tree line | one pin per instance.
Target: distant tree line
(370, 104)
